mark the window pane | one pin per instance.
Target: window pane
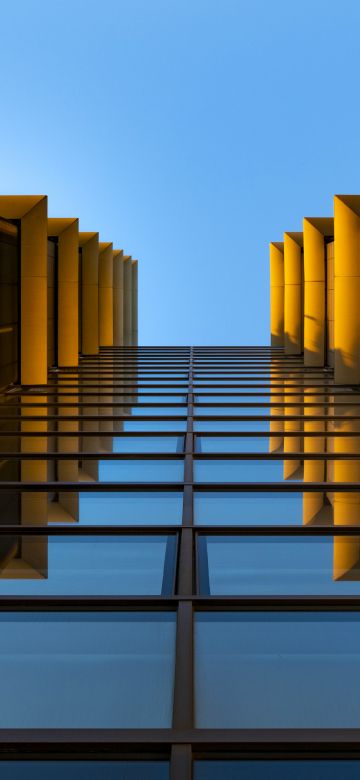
(232, 443)
(234, 508)
(155, 411)
(54, 664)
(148, 444)
(277, 670)
(84, 770)
(141, 471)
(228, 399)
(276, 770)
(241, 471)
(286, 565)
(230, 426)
(232, 411)
(142, 508)
(86, 565)
(154, 425)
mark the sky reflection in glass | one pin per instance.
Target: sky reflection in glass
(233, 565)
(232, 508)
(239, 471)
(127, 508)
(53, 665)
(277, 670)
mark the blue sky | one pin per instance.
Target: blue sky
(189, 132)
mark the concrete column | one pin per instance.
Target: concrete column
(89, 243)
(330, 303)
(106, 319)
(134, 302)
(314, 470)
(347, 289)
(315, 231)
(277, 293)
(127, 301)
(32, 211)
(293, 298)
(118, 297)
(67, 231)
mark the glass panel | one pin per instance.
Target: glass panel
(53, 665)
(84, 770)
(155, 411)
(232, 425)
(232, 411)
(241, 399)
(160, 399)
(234, 508)
(141, 470)
(232, 443)
(86, 565)
(277, 670)
(148, 444)
(277, 770)
(142, 508)
(154, 425)
(285, 565)
(241, 471)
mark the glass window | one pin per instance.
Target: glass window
(228, 399)
(87, 565)
(154, 425)
(235, 508)
(87, 670)
(241, 471)
(148, 444)
(127, 508)
(232, 444)
(160, 399)
(84, 770)
(231, 426)
(141, 470)
(155, 411)
(279, 565)
(277, 770)
(232, 411)
(277, 670)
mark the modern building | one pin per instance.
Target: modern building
(179, 581)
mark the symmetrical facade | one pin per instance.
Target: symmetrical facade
(179, 581)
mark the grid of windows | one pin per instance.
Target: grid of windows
(180, 567)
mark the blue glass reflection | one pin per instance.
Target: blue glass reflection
(232, 443)
(148, 444)
(234, 565)
(277, 770)
(86, 565)
(277, 670)
(87, 670)
(154, 425)
(229, 411)
(84, 770)
(127, 508)
(229, 426)
(141, 470)
(220, 508)
(161, 411)
(239, 471)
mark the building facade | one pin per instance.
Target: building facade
(179, 581)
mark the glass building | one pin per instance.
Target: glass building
(179, 537)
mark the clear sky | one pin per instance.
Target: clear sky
(189, 132)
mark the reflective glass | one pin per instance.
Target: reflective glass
(235, 508)
(277, 770)
(160, 399)
(141, 470)
(232, 444)
(127, 508)
(158, 411)
(148, 444)
(240, 471)
(228, 399)
(232, 411)
(277, 670)
(280, 565)
(154, 425)
(87, 670)
(229, 426)
(86, 565)
(84, 770)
